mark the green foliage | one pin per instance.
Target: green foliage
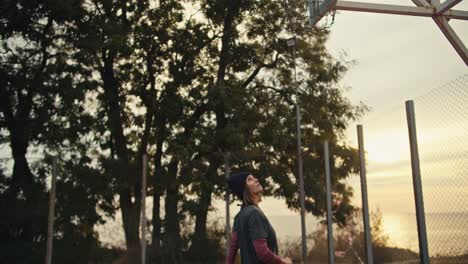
(193, 84)
(215, 242)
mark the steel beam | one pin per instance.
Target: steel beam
(384, 8)
(423, 11)
(452, 37)
(447, 5)
(456, 14)
(441, 14)
(422, 3)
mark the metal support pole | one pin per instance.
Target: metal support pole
(331, 250)
(227, 172)
(301, 184)
(365, 204)
(417, 185)
(50, 227)
(143, 209)
(292, 43)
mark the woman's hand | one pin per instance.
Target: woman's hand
(287, 260)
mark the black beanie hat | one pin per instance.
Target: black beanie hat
(236, 183)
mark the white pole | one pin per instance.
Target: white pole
(50, 228)
(143, 210)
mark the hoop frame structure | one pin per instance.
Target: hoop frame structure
(441, 13)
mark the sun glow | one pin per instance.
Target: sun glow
(392, 226)
(387, 147)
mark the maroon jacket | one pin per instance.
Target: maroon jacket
(264, 254)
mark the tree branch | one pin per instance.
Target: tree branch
(5, 105)
(257, 70)
(281, 92)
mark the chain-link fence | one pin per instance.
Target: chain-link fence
(441, 125)
(390, 185)
(442, 120)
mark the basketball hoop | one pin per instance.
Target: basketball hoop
(317, 9)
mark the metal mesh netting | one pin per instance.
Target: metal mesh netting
(442, 131)
(390, 186)
(442, 121)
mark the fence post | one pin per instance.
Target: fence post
(50, 227)
(365, 204)
(143, 209)
(417, 185)
(227, 171)
(331, 249)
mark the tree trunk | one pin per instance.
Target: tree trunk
(156, 221)
(202, 212)
(23, 182)
(157, 192)
(18, 127)
(200, 235)
(25, 195)
(22, 177)
(130, 210)
(172, 236)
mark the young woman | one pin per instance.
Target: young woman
(252, 232)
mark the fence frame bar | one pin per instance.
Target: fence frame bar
(50, 226)
(143, 208)
(365, 203)
(417, 185)
(331, 249)
(227, 172)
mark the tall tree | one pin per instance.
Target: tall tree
(41, 107)
(253, 98)
(144, 55)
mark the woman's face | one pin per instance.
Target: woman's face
(253, 185)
